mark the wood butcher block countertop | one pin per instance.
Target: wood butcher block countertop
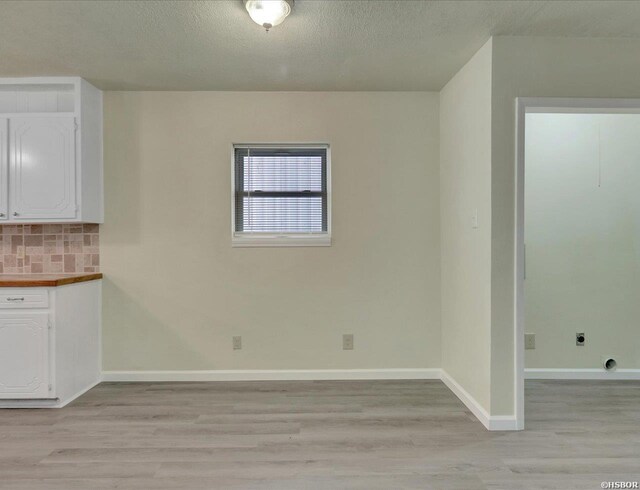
(44, 280)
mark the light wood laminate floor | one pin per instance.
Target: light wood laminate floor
(320, 435)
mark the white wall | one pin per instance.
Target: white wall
(530, 67)
(582, 230)
(175, 291)
(465, 186)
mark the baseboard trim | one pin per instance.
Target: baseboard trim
(491, 422)
(496, 422)
(29, 403)
(271, 375)
(51, 403)
(593, 374)
(79, 393)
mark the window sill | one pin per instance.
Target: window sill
(281, 241)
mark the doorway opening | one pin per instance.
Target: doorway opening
(577, 255)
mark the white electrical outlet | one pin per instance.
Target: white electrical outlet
(347, 341)
(529, 341)
(237, 343)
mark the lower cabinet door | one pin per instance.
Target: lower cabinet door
(24, 356)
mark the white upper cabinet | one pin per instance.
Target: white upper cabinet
(4, 169)
(51, 151)
(42, 169)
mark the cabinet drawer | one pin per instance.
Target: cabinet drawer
(24, 298)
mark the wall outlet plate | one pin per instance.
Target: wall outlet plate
(347, 341)
(529, 341)
(237, 343)
(580, 338)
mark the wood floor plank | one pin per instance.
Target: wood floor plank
(320, 435)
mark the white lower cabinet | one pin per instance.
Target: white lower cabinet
(50, 349)
(24, 355)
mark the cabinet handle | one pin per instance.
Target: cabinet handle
(1, 215)
(15, 213)
(15, 299)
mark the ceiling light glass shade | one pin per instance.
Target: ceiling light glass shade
(268, 13)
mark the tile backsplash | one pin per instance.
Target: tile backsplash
(47, 249)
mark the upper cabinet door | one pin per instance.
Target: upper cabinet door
(4, 168)
(42, 168)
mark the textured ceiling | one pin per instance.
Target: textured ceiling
(323, 45)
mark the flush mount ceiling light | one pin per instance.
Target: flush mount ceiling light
(268, 13)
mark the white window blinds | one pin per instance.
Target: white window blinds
(280, 190)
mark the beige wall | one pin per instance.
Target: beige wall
(560, 67)
(582, 230)
(176, 292)
(465, 186)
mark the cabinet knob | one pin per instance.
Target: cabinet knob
(1, 215)
(15, 213)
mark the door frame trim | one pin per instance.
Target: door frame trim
(523, 106)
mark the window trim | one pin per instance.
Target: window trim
(258, 239)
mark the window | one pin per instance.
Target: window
(281, 195)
